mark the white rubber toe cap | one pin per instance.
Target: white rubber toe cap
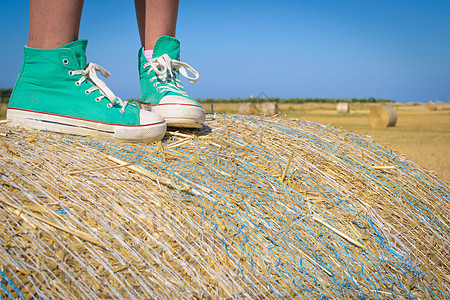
(180, 112)
(173, 99)
(152, 128)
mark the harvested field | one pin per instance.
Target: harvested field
(246, 207)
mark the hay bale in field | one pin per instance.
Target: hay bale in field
(248, 108)
(246, 207)
(431, 106)
(269, 108)
(382, 116)
(343, 107)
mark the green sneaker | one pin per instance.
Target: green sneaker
(161, 90)
(56, 92)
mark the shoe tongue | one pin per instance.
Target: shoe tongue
(167, 45)
(79, 49)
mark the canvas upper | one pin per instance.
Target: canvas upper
(58, 81)
(158, 88)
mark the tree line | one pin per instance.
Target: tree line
(6, 93)
(295, 100)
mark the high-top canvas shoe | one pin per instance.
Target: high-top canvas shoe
(57, 91)
(161, 89)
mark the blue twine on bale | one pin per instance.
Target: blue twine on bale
(11, 283)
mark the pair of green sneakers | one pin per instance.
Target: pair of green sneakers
(57, 91)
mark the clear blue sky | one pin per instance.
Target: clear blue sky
(397, 50)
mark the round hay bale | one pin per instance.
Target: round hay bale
(431, 106)
(245, 207)
(382, 116)
(269, 108)
(343, 107)
(248, 108)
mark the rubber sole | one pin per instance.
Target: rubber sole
(179, 114)
(71, 125)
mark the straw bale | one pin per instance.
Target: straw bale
(245, 207)
(248, 108)
(382, 116)
(431, 106)
(343, 107)
(269, 108)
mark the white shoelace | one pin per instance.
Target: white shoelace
(90, 73)
(166, 69)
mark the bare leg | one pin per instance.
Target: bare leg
(54, 23)
(155, 18)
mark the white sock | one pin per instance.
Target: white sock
(148, 54)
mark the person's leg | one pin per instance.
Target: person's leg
(155, 18)
(54, 23)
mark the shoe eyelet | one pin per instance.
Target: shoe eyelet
(77, 83)
(70, 73)
(154, 85)
(65, 61)
(98, 99)
(87, 92)
(109, 105)
(158, 88)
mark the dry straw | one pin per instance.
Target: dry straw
(382, 116)
(245, 208)
(343, 107)
(247, 108)
(269, 109)
(431, 106)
